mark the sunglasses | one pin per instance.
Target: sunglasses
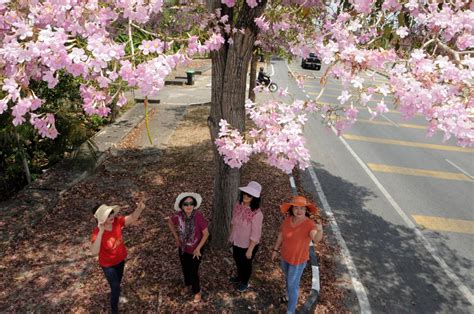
(188, 204)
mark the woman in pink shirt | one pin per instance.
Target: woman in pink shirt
(246, 231)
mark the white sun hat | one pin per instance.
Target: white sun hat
(253, 188)
(103, 212)
(185, 195)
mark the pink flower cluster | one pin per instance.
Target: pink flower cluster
(232, 146)
(45, 125)
(435, 86)
(95, 101)
(138, 10)
(151, 46)
(420, 87)
(231, 3)
(39, 39)
(279, 135)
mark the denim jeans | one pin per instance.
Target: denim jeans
(293, 276)
(114, 276)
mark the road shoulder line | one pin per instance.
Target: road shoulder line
(359, 288)
(459, 285)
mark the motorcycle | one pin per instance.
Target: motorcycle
(272, 86)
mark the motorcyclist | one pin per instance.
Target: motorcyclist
(263, 77)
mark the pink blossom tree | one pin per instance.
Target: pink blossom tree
(424, 49)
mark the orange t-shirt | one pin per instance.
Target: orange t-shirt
(295, 245)
(112, 248)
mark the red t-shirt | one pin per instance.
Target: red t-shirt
(295, 245)
(112, 248)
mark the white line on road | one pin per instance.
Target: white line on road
(461, 287)
(346, 255)
(359, 288)
(273, 70)
(459, 168)
(390, 120)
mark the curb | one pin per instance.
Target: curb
(150, 101)
(335, 240)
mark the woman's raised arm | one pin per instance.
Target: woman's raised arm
(132, 218)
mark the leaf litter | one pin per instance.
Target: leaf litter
(50, 268)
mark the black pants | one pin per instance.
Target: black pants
(264, 81)
(190, 268)
(114, 276)
(244, 265)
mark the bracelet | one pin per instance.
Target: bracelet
(276, 250)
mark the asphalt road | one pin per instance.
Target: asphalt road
(403, 202)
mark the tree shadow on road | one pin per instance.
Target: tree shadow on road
(398, 272)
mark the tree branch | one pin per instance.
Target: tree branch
(130, 39)
(449, 50)
(156, 34)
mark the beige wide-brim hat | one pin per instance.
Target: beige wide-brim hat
(184, 195)
(103, 212)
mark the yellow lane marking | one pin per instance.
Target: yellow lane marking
(402, 125)
(362, 107)
(445, 224)
(334, 86)
(366, 78)
(365, 108)
(420, 172)
(358, 107)
(377, 80)
(316, 93)
(331, 88)
(326, 89)
(407, 143)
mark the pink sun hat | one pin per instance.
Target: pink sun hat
(253, 188)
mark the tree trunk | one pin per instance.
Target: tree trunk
(24, 160)
(253, 75)
(229, 73)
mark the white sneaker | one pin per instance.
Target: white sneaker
(123, 300)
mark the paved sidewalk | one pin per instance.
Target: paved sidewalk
(30, 205)
(173, 103)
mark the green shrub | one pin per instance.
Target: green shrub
(73, 125)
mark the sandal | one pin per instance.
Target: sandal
(197, 298)
(283, 299)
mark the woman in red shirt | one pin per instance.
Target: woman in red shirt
(107, 242)
(296, 232)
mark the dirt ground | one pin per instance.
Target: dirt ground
(50, 269)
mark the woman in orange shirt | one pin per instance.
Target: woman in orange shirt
(107, 242)
(296, 232)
